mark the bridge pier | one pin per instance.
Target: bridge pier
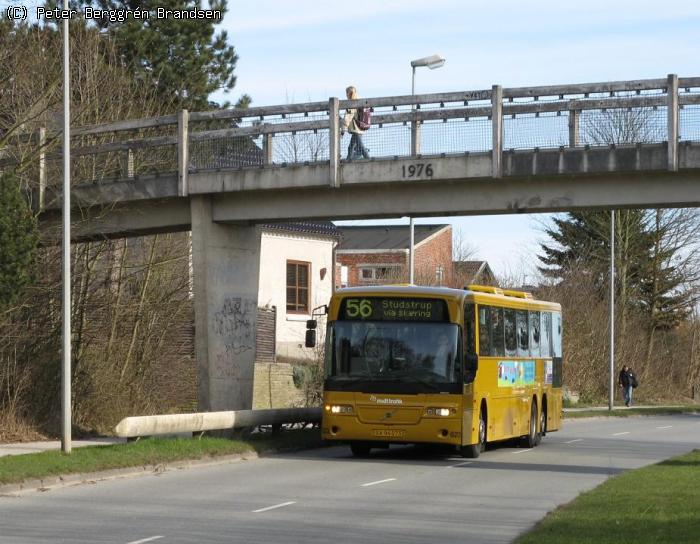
(226, 266)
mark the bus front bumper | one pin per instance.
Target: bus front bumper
(434, 430)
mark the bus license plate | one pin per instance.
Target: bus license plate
(389, 433)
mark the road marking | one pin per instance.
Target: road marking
(665, 427)
(461, 464)
(273, 507)
(574, 440)
(145, 540)
(620, 434)
(379, 482)
(522, 451)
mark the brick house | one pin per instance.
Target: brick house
(371, 255)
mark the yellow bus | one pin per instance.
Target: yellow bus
(464, 367)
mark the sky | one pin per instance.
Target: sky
(307, 50)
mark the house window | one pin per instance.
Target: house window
(439, 274)
(298, 274)
(380, 273)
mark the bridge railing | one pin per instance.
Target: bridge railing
(491, 121)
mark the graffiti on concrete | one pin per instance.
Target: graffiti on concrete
(234, 324)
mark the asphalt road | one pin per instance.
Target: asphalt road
(404, 495)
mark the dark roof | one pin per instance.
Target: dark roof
(324, 228)
(384, 236)
(469, 271)
(469, 268)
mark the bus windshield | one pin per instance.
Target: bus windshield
(377, 356)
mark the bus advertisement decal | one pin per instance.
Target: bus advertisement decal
(516, 373)
(548, 372)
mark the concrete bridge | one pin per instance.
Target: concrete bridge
(499, 150)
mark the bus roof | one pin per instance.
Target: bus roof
(477, 293)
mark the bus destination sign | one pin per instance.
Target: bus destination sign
(393, 309)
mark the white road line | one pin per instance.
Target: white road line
(522, 451)
(379, 482)
(273, 507)
(665, 427)
(574, 440)
(145, 540)
(461, 464)
(620, 434)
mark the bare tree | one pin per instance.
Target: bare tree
(132, 313)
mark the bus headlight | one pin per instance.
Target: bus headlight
(339, 408)
(444, 412)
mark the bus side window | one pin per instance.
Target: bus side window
(471, 361)
(521, 326)
(556, 334)
(484, 330)
(546, 334)
(510, 333)
(534, 334)
(497, 338)
(469, 330)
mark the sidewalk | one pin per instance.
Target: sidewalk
(34, 447)
(615, 407)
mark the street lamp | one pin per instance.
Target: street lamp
(66, 420)
(432, 62)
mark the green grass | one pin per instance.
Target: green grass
(626, 412)
(654, 504)
(152, 451)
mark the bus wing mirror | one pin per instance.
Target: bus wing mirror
(310, 338)
(471, 363)
(311, 323)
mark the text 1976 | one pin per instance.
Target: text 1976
(417, 170)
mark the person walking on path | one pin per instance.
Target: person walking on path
(356, 148)
(625, 381)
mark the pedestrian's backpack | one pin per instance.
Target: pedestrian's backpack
(633, 380)
(364, 118)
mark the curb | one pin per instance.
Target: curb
(69, 480)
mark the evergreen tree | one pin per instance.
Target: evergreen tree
(647, 244)
(580, 243)
(184, 60)
(18, 240)
(663, 296)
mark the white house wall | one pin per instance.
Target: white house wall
(276, 250)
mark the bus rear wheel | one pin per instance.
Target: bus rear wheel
(360, 449)
(543, 423)
(472, 451)
(532, 437)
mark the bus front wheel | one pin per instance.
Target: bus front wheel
(472, 451)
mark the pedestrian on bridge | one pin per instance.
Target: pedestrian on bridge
(356, 148)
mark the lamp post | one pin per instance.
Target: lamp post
(432, 62)
(611, 392)
(66, 364)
